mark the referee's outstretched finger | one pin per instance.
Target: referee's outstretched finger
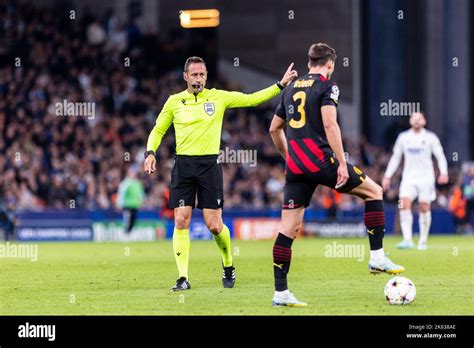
(290, 67)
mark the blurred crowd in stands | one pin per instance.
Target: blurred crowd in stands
(75, 161)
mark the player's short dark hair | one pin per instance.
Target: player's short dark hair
(320, 53)
(191, 60)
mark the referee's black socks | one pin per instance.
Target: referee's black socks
(281, 261)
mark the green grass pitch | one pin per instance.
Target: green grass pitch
(134, 279)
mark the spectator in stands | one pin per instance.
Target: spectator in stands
(330, 200)
(457, 206)
(462, 201)
(468, 189)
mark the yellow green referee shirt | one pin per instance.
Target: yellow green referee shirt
(197, 119)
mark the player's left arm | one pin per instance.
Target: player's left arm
(239, 100)
(438, 152)
(277, 127)
(277, 132)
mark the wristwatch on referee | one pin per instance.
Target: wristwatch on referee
(149, 152)
(280, 85)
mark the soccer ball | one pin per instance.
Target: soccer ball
(400, 291)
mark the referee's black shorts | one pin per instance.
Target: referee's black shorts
(299, 188)
(196, 175)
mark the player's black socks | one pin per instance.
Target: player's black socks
(281, 261)
(374, 219)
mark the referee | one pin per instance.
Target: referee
(197, 115)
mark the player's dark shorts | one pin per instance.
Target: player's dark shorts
(199, 176)
(299, 188)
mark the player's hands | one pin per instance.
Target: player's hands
(289, 76)
(385, 183)
(342, 175)
(443, 179)
(150, 164)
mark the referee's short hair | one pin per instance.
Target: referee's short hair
(191, 60)
(320, 53)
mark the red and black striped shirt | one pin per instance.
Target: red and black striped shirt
(300, 105)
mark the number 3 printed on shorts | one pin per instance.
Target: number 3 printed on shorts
(301, 95)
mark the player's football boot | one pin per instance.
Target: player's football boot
(228, 276)
(405, 244)
(288, 301)
(181, 284)
(386, 265)
(422, 246)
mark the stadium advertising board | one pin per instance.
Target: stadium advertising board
(197, 230)
(62, 232)
(143, 231)
(330, 228)
(256, 228)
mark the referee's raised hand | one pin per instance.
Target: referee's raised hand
(150, 164)
(289, 75)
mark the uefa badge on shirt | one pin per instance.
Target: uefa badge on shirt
(335, 94)
(209, 108)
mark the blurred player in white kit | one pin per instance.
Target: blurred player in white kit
(417, 145)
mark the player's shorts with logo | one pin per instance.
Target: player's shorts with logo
(424, 190)
(196, 176)
(299, 188)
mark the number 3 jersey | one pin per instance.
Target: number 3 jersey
(300, 106)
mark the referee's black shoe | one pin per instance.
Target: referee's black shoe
(181, 284)
(228, 276)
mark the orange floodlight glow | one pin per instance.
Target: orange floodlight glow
(199, 18)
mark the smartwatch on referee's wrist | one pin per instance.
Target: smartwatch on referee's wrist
(149, 152)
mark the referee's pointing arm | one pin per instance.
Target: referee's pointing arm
(197, 113)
